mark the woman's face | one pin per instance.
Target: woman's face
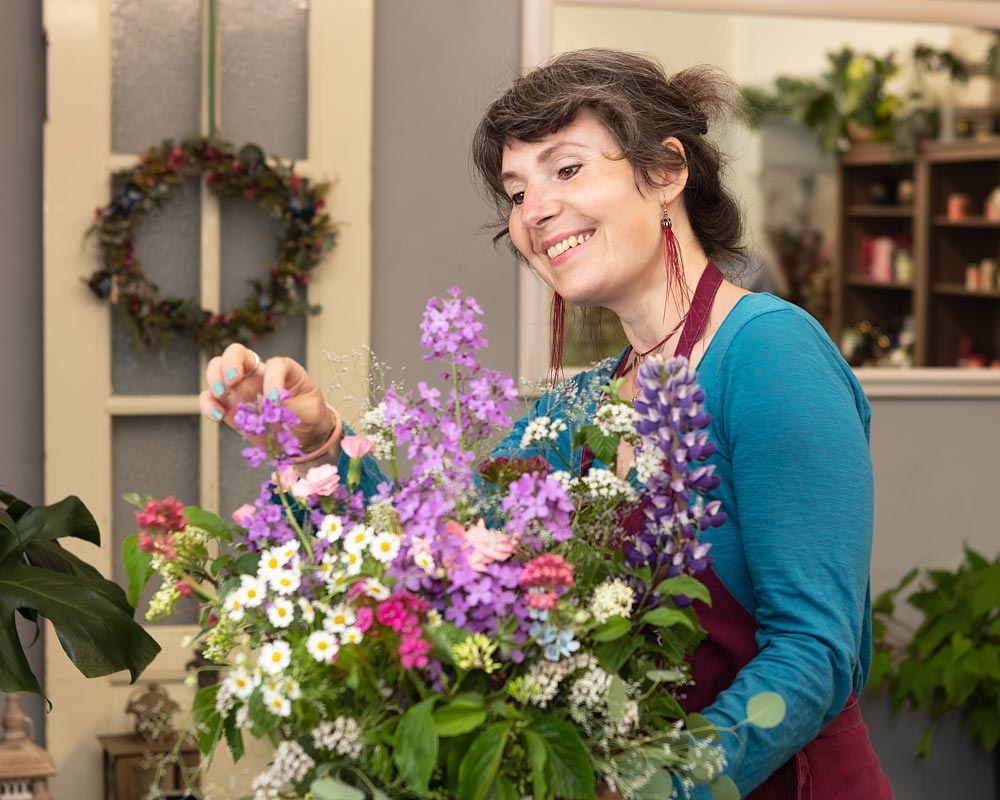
(579, 218)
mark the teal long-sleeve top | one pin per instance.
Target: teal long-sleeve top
(791, 425)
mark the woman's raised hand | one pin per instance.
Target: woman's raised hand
(239, 376)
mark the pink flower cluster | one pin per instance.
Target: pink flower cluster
(400, 613)
(160, 519)
(545, 578)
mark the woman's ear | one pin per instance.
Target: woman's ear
(673, 178)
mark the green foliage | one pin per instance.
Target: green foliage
(416, 748)
(92, 616)
(952, 659)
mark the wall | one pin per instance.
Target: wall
(437, 66)
(22, 95)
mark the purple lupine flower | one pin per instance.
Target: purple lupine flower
(670, 462)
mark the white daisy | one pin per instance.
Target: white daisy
(322, 646)
(352, 561)
(352, 635)
(424, 560)
(277, 704)
(308, 612)
(288, 551)
(252, 590)
(240, 683)
(285, 581)
(376, 589)
(358, 539)
(281, 612)
(291, 689)
(234, 606)
(339, 619)
(331, 528)
(271, 561)
(385, 547)
(434, 618)
(274, 657)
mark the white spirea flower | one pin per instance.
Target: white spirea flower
(342, 736)
(384, 547)
(358, 538)
(274, 657)
(322, 646)
(281, 612)
(377, 430)
(331, 528)
(252, 590)
(611, 599)
(617, 419)
(541, 430)
(602, 484)
(648, 463)
(285, 581)
(567, 479)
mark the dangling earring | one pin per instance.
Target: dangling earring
(558, 325)
(672, 262)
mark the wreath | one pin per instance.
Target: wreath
(305, 233)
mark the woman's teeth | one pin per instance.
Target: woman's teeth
(561, 247)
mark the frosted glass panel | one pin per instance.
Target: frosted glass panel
(167, 245)
(156, 71)
(158, 455)
(265, 77)
(248, 247)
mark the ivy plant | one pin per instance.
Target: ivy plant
(952, 659)
(39, 578)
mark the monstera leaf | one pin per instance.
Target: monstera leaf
(40, 578)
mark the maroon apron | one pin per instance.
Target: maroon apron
(839, 764)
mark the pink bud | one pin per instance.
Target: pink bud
(244, 514)
(356, 446)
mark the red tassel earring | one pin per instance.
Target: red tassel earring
(558, 325)
(672, 263)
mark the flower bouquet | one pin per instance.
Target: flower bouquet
(479, 629)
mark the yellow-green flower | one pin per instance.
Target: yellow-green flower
(476, 652)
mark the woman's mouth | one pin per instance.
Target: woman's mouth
(558, 248)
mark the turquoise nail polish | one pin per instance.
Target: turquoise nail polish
(218, 388)
(230, 374)
(272, 394)
(216, 414)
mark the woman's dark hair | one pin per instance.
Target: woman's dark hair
(641, 106)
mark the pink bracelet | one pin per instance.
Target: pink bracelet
(327, 446)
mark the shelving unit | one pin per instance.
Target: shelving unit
(947, 315)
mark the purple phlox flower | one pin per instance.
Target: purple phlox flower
(535, 497)
(451, 330)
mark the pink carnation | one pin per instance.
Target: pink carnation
(322, 481)
(413, 652)
(285, 479)
(482, 546)
(356, 446)
(364, 618)
(244, 515)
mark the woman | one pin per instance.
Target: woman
(611, 193)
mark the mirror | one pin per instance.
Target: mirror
(787, 184)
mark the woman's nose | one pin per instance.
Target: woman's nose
(539, 205)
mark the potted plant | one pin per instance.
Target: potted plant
(40, 578)
(951, 660)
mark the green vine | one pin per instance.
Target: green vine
(305, 233)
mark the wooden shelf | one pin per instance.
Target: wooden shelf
(860, 210)
(967, 222)
(958, 290)
(872, 283)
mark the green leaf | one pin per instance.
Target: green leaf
(612, 628)
(574, 775)
(612, 655)
(766, 710)
(685, 584)
(332, 789)
(137, 568)
(604, 448)
(482, 761)
(68, 517)
(667, 617)
(211, 523)
(15, 671)
(616, 698)
(923, 748)
(540, 756)
(96, 634)
(698, 725)
(416, 748)
(208, 721)
(234, 737)
(987, 595)
(724, 788)
(8, 524)
(461, 715)
(659, 785)
(53, 556)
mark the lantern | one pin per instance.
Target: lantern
(24, 766)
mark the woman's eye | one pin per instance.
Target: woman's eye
(517, 198)
(569, 172)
